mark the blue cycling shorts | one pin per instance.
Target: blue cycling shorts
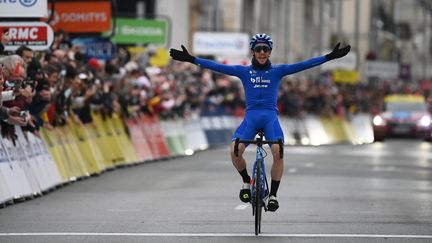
(256, 120)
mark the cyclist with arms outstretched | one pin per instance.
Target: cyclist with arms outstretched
(260, 82)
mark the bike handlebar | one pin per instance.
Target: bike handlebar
(259, 142)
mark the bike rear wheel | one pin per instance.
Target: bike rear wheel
(257, 200)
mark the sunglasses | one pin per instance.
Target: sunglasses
(261, 48)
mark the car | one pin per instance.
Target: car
(403, 116)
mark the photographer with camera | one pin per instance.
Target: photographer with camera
(18, 95)
(45, 93)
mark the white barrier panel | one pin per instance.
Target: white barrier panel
(50, 164)
(195, 136)
(48, 161)
(32, 167)
(14, 173)
(217, 122)
(36, 157)
(228, 123)
(5, 193)
(181, 135)
(301, 130)
(315, 131)
(214, 131)
(170, 135)
(362, 127)
(237, 121)
(205, 123)
(39, 160)
(288, 129)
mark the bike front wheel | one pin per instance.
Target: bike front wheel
(257, 201)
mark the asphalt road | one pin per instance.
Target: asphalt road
(379, 192)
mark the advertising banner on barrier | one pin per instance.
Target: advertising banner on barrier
(144, 31)
(381, 69)
(82, 16)
(345, 76)
(36, 35)
(100, 48)
(349, 62)
(23, 8)
(211, 43)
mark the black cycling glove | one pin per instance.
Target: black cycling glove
(182, 56)
(338, 53)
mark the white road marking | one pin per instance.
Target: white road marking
(383, 168)
(292, 170)
(306, 150)
(367, 153)
(242, 207)
(221, 235)
(118, 210)
(310, 165)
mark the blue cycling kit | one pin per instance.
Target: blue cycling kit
(261, 91)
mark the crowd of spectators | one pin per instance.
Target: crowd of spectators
(49, 88)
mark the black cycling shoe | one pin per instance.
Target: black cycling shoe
(272, 204)
(245, 193)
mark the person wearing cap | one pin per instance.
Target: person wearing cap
(260, 82)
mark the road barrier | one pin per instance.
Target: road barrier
(32, 166)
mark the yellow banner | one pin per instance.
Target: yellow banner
(160, 59)
(405, 98)
(345, 76)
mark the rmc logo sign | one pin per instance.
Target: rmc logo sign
(23, 8)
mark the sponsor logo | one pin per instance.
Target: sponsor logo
(36, 35)
(260, 83)
(84, 16)
(27, 35)
(28, 3)
(256, 80)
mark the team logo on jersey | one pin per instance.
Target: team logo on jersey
(260, 83)
(256, 80)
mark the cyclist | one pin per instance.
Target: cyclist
(260, 82)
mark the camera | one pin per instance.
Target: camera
(23, 114)
(21, 84)
(28, 82)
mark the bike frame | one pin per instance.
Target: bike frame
(259, 176)
(262, 177)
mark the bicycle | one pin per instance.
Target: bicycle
(259, 184)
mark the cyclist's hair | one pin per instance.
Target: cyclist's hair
(260, 38)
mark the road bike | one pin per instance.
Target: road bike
(259, 184)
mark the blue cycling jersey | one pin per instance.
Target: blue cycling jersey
(261, 91)
(260, 86)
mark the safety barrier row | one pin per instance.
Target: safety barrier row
(35, 165)
(309, 130)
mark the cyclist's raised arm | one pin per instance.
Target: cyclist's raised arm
(300, 66)
(233, 70)
(287, 69)
(184, 56)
